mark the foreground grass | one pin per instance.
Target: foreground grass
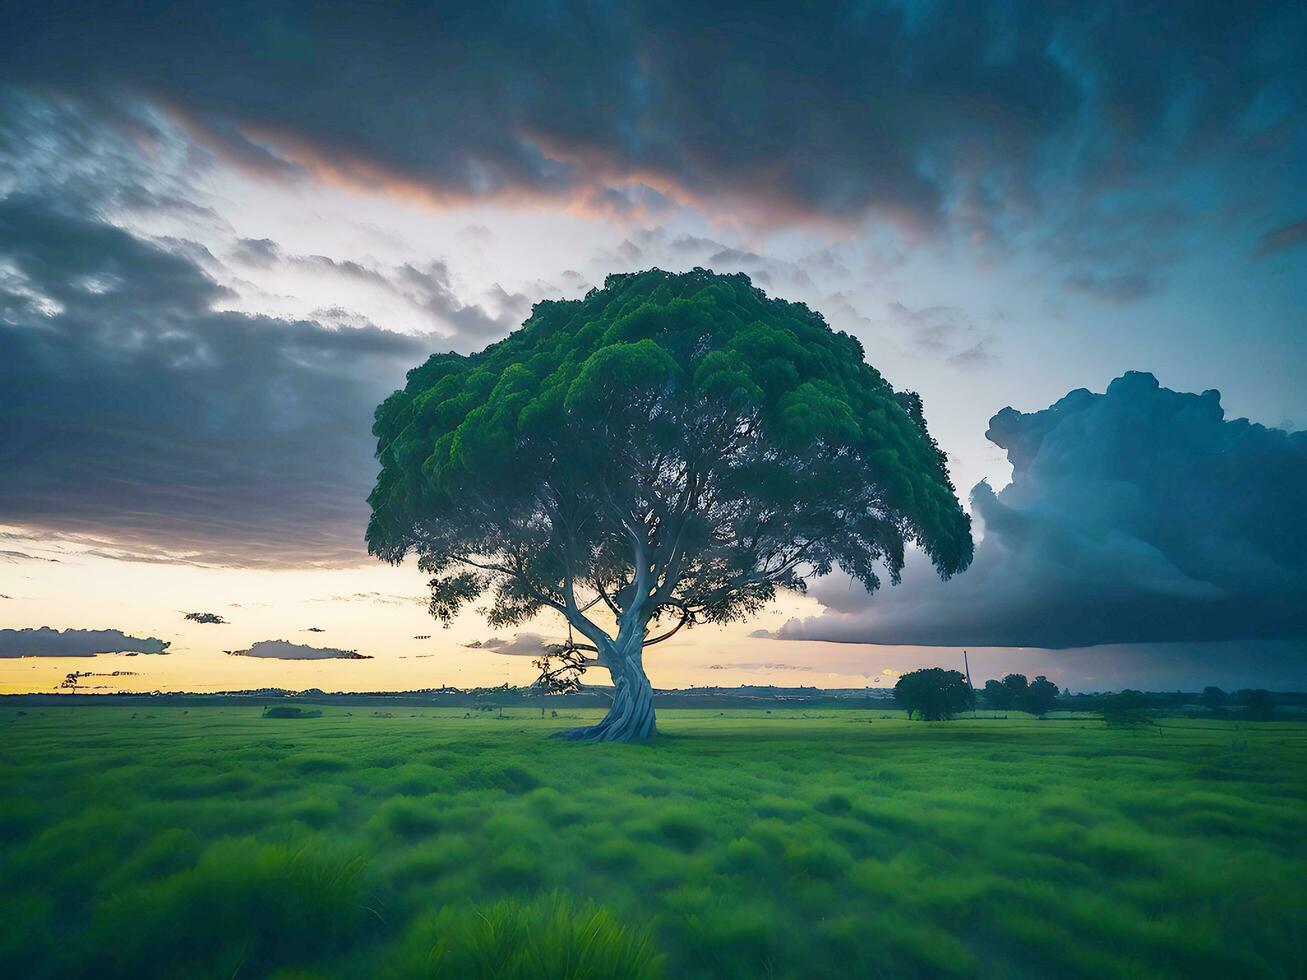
(217, 843)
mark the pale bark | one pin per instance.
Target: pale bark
(630, 717)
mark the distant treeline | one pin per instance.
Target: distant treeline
(1246, 703)
(1211, 701)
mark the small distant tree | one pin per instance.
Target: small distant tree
(1129, 709)
(1213, 699)
(933, 694)
(1258, 704)
(1041, 695)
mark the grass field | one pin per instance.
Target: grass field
(214, 842)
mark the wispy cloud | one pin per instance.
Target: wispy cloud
(1279, 239)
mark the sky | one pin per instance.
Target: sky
(1079, 231)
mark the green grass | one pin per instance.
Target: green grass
(847, 843)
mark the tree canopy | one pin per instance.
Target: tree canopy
(1127, 709)
(1041, 696)
(1213, 698)
(672, 447)
(1015, 693)
(933, 694)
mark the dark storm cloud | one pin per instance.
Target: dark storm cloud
(953, 112)
(135, 412)
(47, 642)
(1136, 516)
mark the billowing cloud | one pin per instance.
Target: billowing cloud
(960, 113)
(285, 650)
(1140, 515)
(521, 645)
(48, 642)
(136, 412)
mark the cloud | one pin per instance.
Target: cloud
(522, 645)
(1278, 239)
(925, 114)
(381, 598)
(137, 413)
(1140, 515)
(206, 618)
(945, 331)
(48, 642)
(659, 247)
(1123, 288)
(285, 650)
(13, 557)
(261, 252)
(758, 666)
(978, 355)
(429, 289)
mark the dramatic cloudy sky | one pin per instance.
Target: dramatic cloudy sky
(226, 230)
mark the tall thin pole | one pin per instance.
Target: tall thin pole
(967, 667)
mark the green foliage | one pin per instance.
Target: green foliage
(685, 424)
(1041, 696)
(1128, 709)
(846, 843)
(996, 696)
(1213, 698)
(244, 906)
(933, 694)
(1014, 693)
(1258, 704)
(1009, 694)
(526, 940)
(289, 711)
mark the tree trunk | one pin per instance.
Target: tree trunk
(630, 717)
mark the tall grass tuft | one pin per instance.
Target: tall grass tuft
(550, 936)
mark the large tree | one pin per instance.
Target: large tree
(669, 450)
(1041, 696)
(933, 693)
